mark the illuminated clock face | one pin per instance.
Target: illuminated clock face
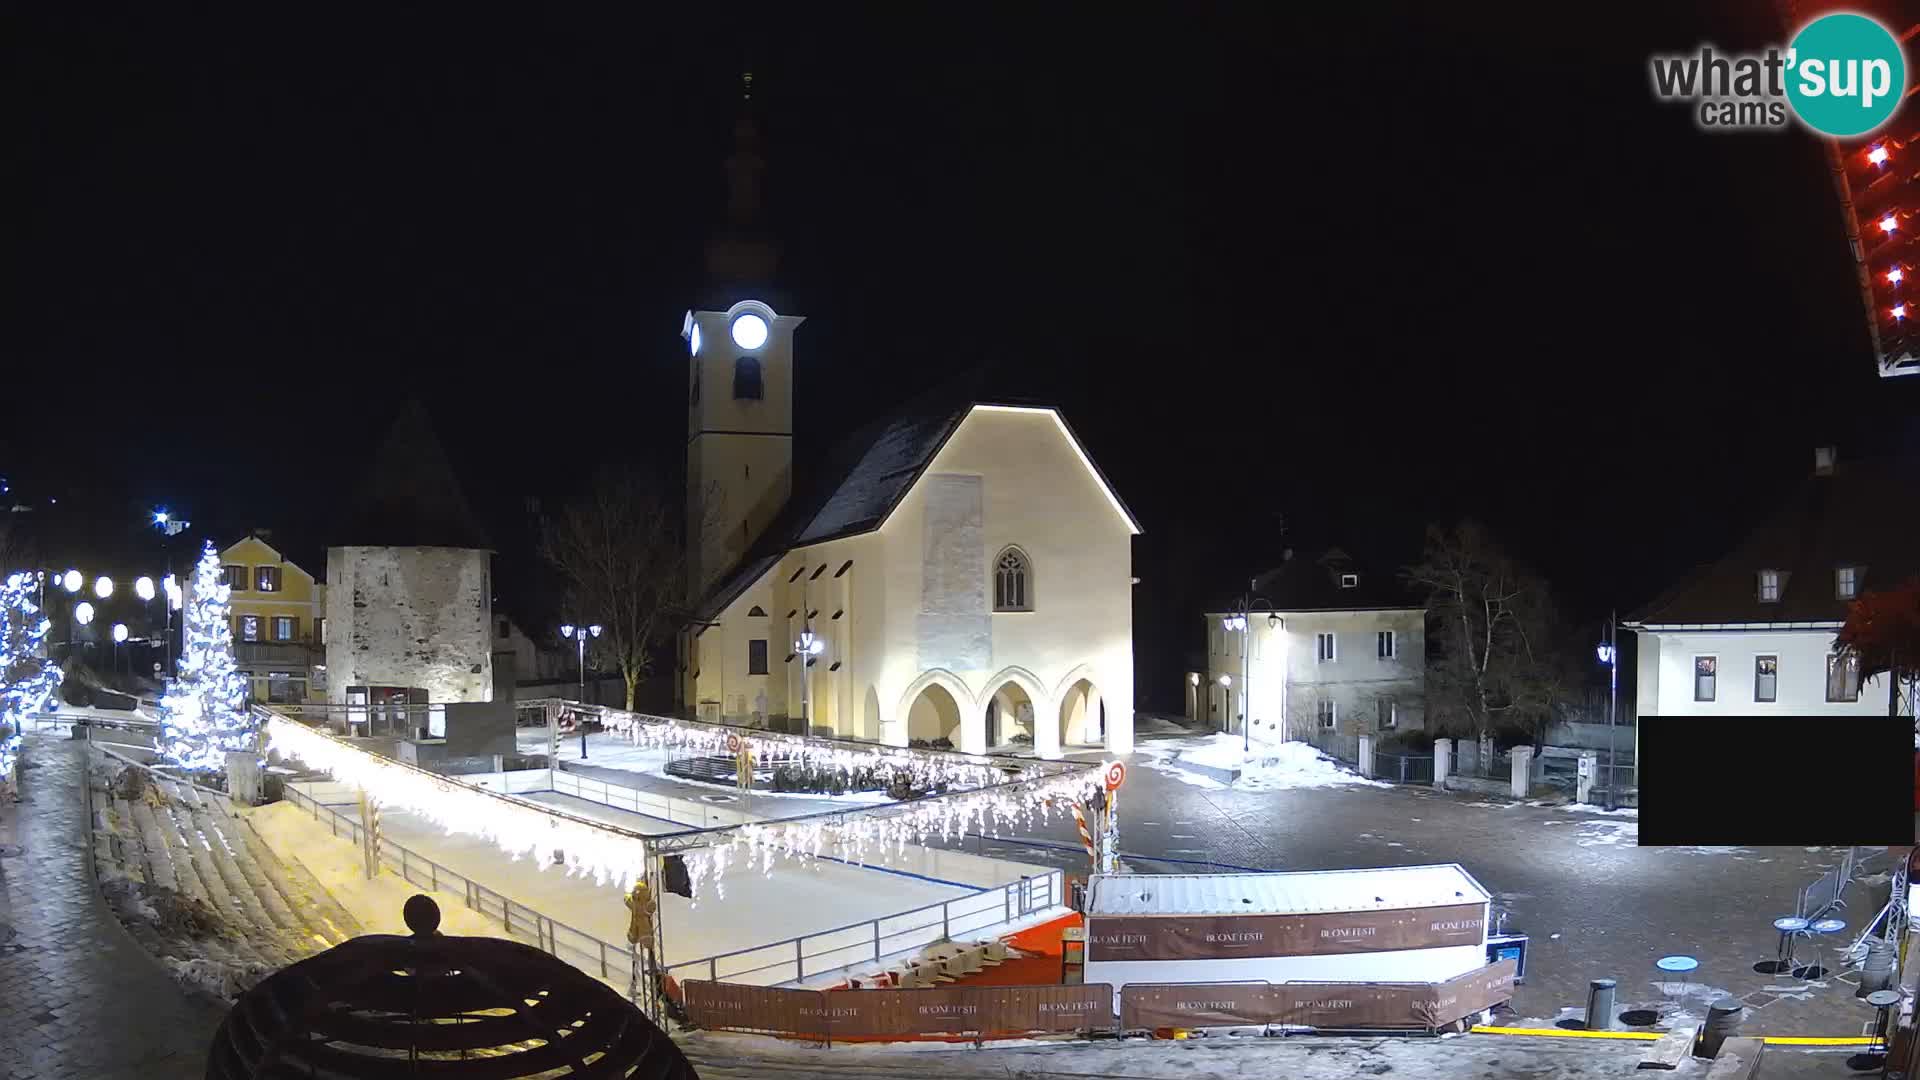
(749, 331)
(693, 339)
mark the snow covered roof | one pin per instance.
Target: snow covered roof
(1384, 889)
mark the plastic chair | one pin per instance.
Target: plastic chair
(996, 951)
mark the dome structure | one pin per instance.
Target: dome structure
(425, 1004)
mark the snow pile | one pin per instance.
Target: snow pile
(223, 979)
(1266, 767)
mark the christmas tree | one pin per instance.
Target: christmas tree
(27, 677)
(204, 714)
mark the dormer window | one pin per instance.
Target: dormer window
(1349, 581)
(1846, 582)
(1770, 586)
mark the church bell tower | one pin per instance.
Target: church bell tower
(740, 378)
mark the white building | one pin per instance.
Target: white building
(1336, 648)
(1753, 633)
(961, 568)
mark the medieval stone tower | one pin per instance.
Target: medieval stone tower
(409, 582)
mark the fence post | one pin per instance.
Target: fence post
(799, 959)
(1006, 903)
(876, 941)
(1442, 761)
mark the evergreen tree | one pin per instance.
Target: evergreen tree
(204, 714)
(27, 676)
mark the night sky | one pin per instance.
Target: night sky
(1356, 276)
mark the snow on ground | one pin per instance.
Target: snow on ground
(1578, 808)
(1266, 768)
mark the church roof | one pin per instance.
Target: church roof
(862, 480)
(411, 497)
(1865, 514)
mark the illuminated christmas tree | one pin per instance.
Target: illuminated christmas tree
(27, 676)
(204, 714)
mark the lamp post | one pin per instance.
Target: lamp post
(580, 634)
(1609, 654)
(170, 525)
(1240, 622)
(809, 646)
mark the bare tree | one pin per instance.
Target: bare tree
(620, 554)
(1494, 624)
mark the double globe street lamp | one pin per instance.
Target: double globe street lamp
(1609, 654)
(580, 634)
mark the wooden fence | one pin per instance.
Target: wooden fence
(1005, 1011)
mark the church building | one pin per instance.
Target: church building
(958, 572)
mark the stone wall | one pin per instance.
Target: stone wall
(412, 617)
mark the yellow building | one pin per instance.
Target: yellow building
(279, 624)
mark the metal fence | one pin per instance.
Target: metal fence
(1340, 747)
(1482, 761)
(869, 941)
(1403, 768)
(614, 963)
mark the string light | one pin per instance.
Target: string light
(1899, 311)
(1877, 155)
(1888, 224)
(612, 855)
(27, 677)
(1894, 275)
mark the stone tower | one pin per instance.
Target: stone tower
(409, 580)
(740, 377)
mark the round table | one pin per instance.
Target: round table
(1678, 965)
(1816, 971)
(1791, 927)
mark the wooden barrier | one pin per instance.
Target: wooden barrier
(998, 1011)
(946, 1010)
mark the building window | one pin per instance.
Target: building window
(1769, 586)
(1843, 677)
(1846, 582)
(1386, 644)
(1349, 581)
(1766, 678)
(1323, 647)
(746, 378)
(1012, 581)
(1329, 714)
(1388, 713)
(503, 629)
(285, 628)
(757, 656)
(249, 628)
(1705, 669)
(235, 577)
(320, 631)
(266, 579)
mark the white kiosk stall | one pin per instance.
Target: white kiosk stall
(1409, 924)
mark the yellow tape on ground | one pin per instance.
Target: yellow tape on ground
(1773, 1040)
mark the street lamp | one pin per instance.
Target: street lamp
(1240, 622)
(143, 588)
(809, 646)
(83, 613)
(71, 581)
(103, 587)
(119, 638)
(580, 634)
(1609, 653)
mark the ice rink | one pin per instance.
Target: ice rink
(758, 912)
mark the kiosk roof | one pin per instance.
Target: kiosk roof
(1381, 889)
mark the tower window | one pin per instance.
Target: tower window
(1012, 581)
(746, 378)
(757, 656)
(1846, 582)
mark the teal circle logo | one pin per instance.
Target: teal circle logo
(1846, 75)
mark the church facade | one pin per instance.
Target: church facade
(961, 571)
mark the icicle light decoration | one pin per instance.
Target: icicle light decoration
(27, 677)
(610, 854)
(518, 827)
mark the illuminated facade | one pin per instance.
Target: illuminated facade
(279, 627)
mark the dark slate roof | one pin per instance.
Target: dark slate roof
(410, 496)
(1866, 513)
(1311, 582)
(856, 486)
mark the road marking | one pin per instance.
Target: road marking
(1185, 851)
(1184, 836)
(1649, 1036)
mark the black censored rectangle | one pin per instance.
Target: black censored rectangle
(1755, 781)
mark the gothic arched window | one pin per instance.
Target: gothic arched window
(746, 378)
(1013, 581)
